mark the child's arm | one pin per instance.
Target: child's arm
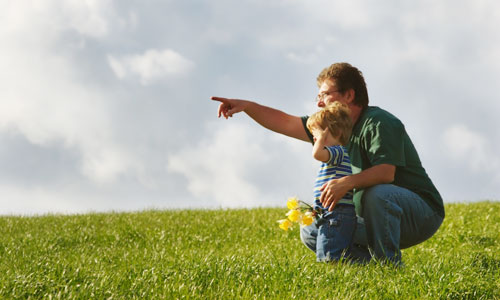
(319, 152)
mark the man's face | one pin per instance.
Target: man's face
(329, 93)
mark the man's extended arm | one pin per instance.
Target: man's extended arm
(267, 117)
(335, 189)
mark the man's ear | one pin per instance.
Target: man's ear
(351, 95)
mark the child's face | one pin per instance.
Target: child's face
(326, 136)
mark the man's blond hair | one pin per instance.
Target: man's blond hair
(336, 117)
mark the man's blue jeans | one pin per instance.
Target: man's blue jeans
(394, 218)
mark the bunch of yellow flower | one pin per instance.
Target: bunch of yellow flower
(299, 212)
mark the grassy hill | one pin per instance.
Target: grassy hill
(234, 254)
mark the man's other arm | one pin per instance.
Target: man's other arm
(335, 189)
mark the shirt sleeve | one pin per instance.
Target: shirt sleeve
(384, 142)
(336, 155)
(309, 134)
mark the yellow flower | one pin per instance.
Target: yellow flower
(292, 203)
(294, 215)
(307, 219)
(285, 224)
(299, 212)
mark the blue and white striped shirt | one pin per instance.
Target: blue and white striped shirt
(338, 166)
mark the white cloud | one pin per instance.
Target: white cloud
(48, 109)
(70, 199)
(217, 166)
(306, 58)
(153, 65)
(90, 17)
(15, 200)
(471, 149)
(44, 21)
(43, 98)
(357, 14)
(59, 61)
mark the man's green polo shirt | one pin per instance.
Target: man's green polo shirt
(377, 138)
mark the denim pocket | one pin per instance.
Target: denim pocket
(335, 235)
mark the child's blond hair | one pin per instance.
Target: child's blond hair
(335, 116)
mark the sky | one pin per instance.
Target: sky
(105, 105)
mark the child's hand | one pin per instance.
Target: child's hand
(322, 135)
(319, 152)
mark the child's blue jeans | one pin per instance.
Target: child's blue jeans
(335, 233)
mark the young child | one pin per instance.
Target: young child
(331, 128)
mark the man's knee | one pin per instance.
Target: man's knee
(373, 197)
(380, 198)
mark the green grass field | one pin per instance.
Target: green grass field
(234, 254)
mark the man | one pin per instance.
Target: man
(398, 203)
